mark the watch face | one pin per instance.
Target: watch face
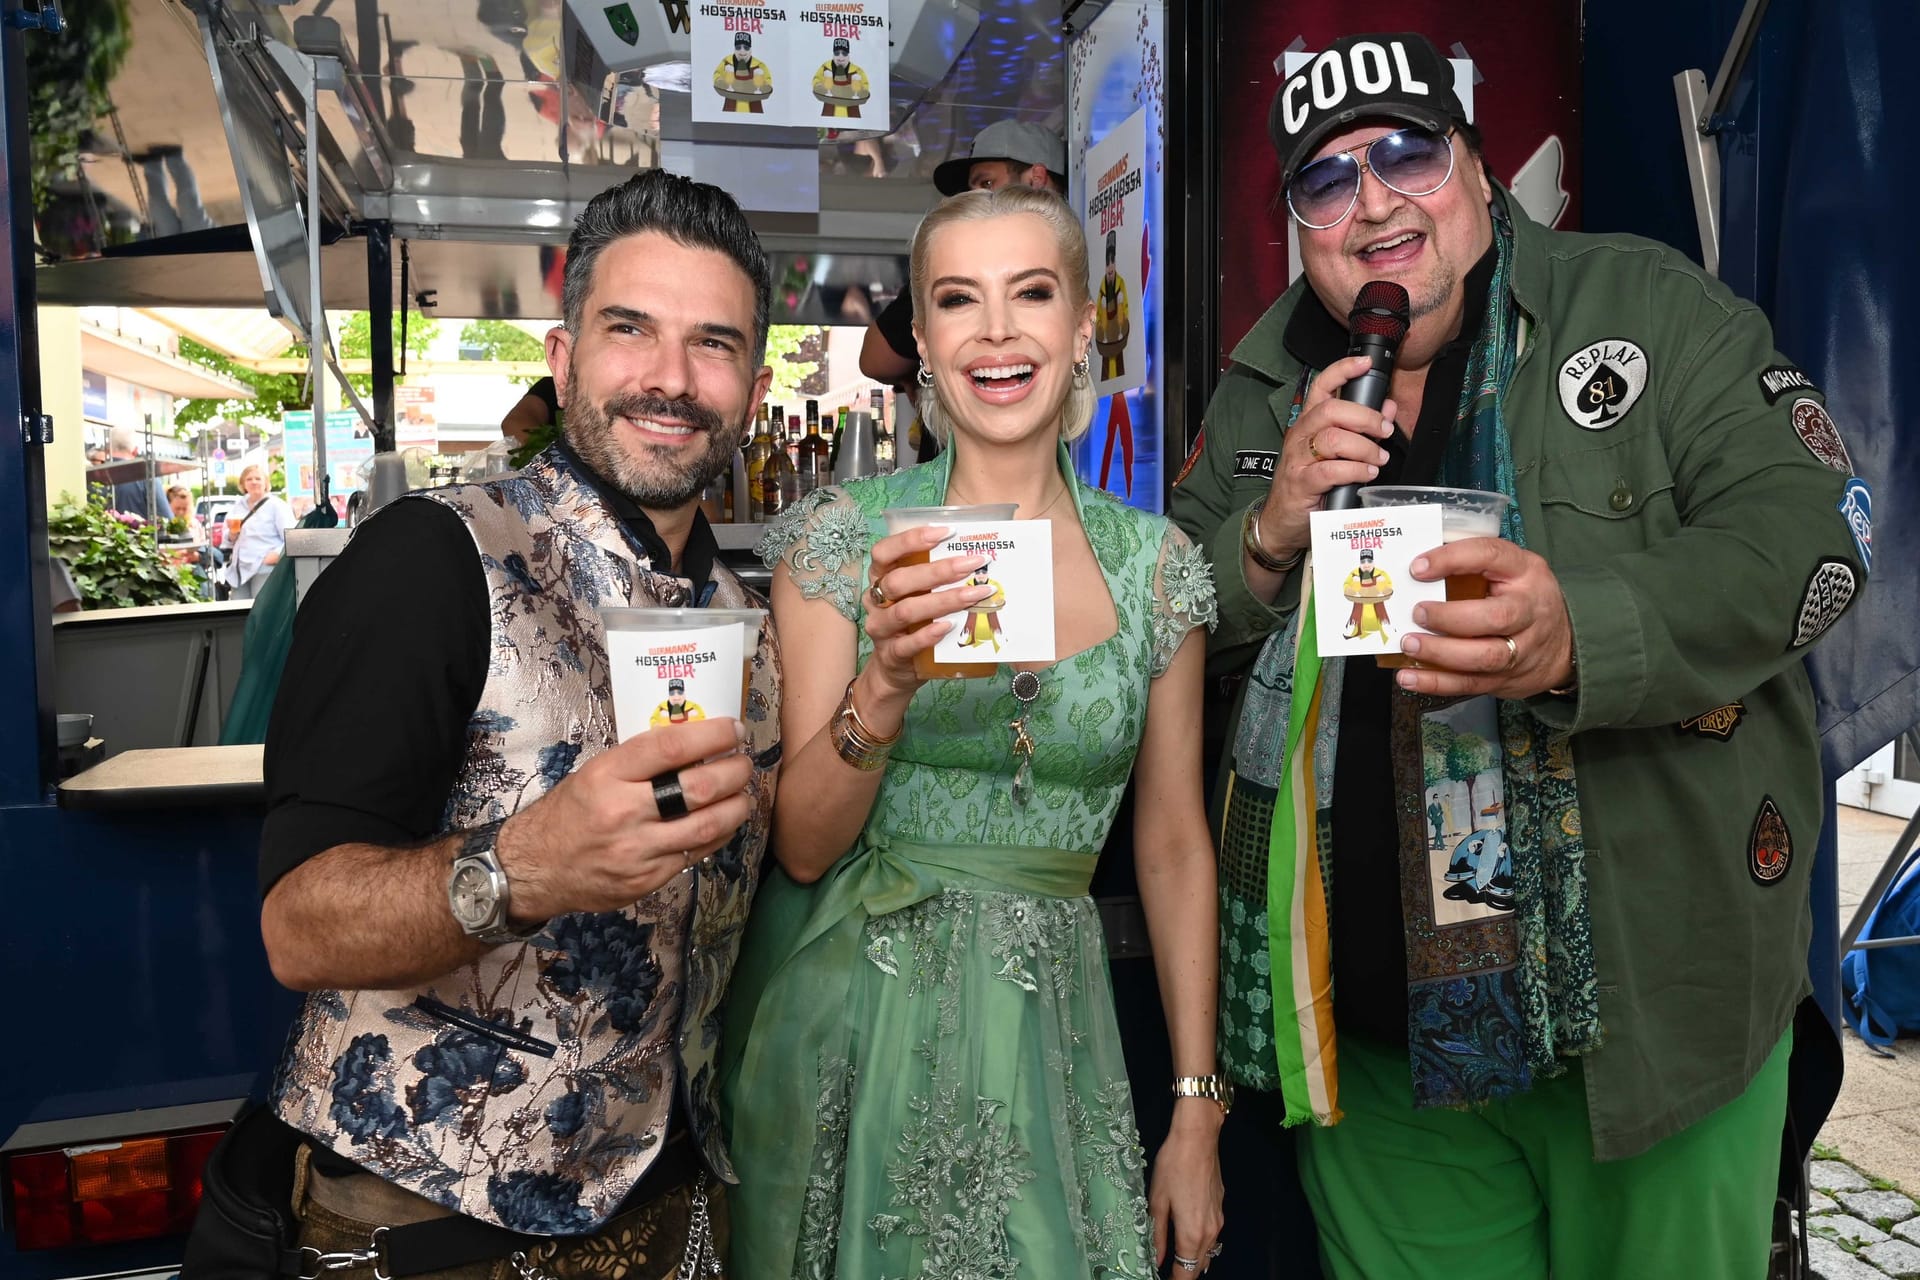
(471, 895)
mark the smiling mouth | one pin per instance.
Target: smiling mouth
(1402, 240)
(664, 427)
(1001, 377)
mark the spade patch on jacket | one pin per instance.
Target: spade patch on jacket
(1601, 382)
(1770, 847)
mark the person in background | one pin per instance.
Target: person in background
(536, 411)
(1576, 1066)
(180, 502)
(136, 495)
(256, 536)
(1005, 153)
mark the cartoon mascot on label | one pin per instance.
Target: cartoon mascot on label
(1369, 589)
(982, 626)
(676, 709)
(841, 86)
(743, 80)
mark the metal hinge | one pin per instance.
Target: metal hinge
(37, 428)
(47, 18)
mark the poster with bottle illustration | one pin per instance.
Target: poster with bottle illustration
(822, 65)
(1363, 590)
(1116, 249)
(1014, 622)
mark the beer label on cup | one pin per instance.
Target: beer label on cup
(1015, 623)
(1363, 589)
(674, 676)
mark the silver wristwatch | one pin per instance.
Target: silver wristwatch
(478, 893)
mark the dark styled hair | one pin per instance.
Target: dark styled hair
(697, 215)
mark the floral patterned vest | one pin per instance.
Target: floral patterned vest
(533, 1087)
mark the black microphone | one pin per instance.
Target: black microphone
(1377, 323)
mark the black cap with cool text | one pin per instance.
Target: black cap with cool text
(1399, 75)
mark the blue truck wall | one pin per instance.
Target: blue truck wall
(135, 977)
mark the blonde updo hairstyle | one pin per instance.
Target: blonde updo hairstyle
(1076, 415)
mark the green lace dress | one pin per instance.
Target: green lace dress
(923, 1075)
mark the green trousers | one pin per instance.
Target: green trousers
(1512, 1191)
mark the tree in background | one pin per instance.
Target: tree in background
(503, 340)
(798, 354)
(276, 393)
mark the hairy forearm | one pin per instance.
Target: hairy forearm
(366, 917)
(1177, 891)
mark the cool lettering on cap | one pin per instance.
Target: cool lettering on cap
(1328, 78)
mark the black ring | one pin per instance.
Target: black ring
(668, 798)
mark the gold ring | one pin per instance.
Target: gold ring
(879, 595)
(1314, 449)
(1513, 653)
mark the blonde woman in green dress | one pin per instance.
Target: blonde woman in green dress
(925, 1080)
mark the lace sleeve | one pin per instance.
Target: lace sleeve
(823, 541)
(1183, 596)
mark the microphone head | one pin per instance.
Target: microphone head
(1380, 310)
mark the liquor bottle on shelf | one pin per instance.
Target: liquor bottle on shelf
(779, 483)
(760, 451)
(816, 471)
(882, 438)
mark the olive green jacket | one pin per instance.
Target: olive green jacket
(1701, 545)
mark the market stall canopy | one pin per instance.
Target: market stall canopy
(119, 355)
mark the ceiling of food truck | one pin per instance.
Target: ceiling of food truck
(467, 147)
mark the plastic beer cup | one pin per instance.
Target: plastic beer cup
(899, 520)
(1464, 513)
(669, 666)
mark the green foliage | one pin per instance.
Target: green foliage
(276, 393)
(796, 354)
(537, 440)
(69, 78)
(503, 341)
(354, 341)
(115, 564)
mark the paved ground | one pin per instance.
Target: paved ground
(1863, 1226)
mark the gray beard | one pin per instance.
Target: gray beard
(665, 485)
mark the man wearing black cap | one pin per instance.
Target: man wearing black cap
(840, 85)
(742, 79)
(1571, 1076)
(1005, 153)
(1111, 315)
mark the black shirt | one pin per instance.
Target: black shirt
(388, 662)
(548, 394)
(895, 323)
(1368, 928)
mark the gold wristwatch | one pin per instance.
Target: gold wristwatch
(1216, 1089)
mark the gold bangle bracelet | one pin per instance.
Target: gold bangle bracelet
(853, 741)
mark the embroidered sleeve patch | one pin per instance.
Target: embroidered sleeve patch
(1856, 507)
(1193, 458)
(1829, 592)
(1815, 428)
(1717, 723)
(1783, 379)
(1770, 847)
(1255, 462)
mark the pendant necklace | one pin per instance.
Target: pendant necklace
(1026, 689)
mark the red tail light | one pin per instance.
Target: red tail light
(132, 1189)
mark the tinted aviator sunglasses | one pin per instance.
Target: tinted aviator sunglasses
(1414, 162)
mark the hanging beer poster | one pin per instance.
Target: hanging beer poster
(1116, 244)
(743, 69)
(842, 47)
